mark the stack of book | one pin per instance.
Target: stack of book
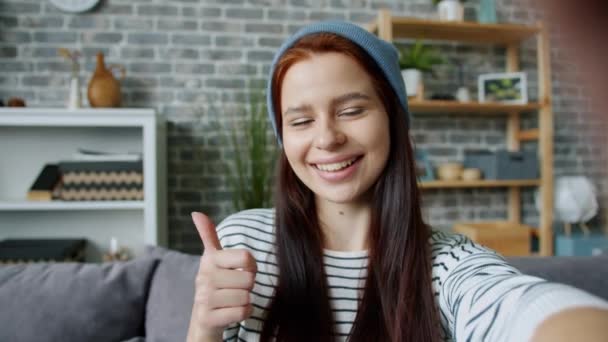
(16, 251)
(97, 176)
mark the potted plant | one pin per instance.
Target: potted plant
(450, 10)
(250, 176)
(415, 61)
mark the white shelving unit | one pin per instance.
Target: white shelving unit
(32, 137)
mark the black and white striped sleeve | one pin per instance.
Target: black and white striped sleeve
(251, 230)
(482, 298)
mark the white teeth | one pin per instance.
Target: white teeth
(335, 166)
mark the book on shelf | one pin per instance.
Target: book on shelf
(46, 184)
(99, 166)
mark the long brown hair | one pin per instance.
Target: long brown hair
(398, 302)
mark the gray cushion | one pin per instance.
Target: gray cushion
(171, 295)
(586, 273)
(74, 302)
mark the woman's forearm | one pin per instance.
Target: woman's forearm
(576, 324)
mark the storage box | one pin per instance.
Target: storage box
(503, 164)
(506, 238)
(42, 250)
(579, 244)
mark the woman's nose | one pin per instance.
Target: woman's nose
(329, 137)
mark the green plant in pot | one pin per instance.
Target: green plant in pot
(450, 10)
(419, 59)
(250, 176)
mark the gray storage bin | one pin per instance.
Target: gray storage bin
(503, 164)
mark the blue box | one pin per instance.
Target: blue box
(578, 244)
(503, 164)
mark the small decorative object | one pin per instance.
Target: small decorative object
(509, 87)
(75, 6)
(450, 10)
(487, 12)
(424, 170)
(74, 98)
(450, 171)
(471, 174)
(463, 94)
(420, 58)
(575, 202)
(104, 88)
(15, 102)
(116, 253)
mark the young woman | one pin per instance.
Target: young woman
(345, 254)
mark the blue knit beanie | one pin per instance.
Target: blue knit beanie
(382, 52)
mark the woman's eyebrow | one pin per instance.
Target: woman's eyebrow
(298, 109)
(348, 97)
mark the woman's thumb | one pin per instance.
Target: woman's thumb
(206, 230)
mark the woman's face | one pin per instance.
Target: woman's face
(335, 128)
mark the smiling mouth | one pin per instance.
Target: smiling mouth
(335, 167)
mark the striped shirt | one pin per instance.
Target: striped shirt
(480, 297)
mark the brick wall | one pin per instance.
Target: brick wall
(192, 60)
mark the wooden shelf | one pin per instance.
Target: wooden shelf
(470, 32)
(65, 205)
(479, 184)
(441, 106)
(391, 28)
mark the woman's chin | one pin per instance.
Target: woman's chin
(339, 197)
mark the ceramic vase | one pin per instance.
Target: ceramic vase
(104, 88)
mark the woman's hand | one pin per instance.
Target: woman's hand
(222, 287)
(576, 324)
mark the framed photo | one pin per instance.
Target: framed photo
(509, 87)
(424, 169)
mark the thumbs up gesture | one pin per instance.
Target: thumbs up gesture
(223, 284)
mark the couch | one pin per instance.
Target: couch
(150, 298)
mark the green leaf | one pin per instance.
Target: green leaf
(420, 57)
(250, 179)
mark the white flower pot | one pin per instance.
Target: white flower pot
(463, 94)
(450, 10)
(412, 79)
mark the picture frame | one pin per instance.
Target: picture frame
(424, 169)
(506, 87)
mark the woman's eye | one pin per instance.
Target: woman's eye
(299, 122)
(351, 112)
